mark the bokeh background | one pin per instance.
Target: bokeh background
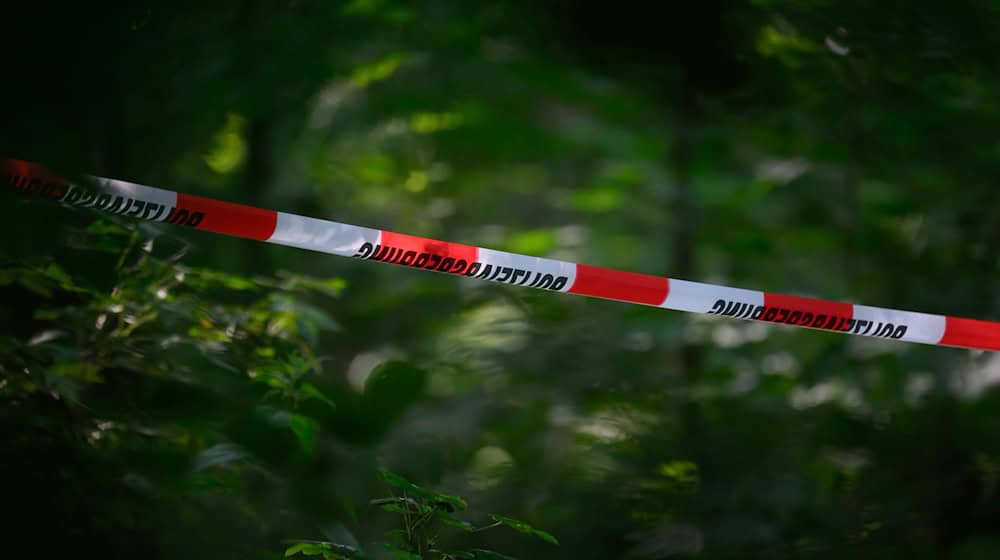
(167, 393)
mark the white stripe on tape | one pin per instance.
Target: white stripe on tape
(919, 327)
(532, 265)
(700, 298)
(322, 235)
(138, 192)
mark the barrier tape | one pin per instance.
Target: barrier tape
(159, 205)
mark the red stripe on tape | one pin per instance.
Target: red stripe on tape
(31, 178)
(624, 286)
(229, 218)
(971, 333)
(806, 312)
(28, 169)
(423, 246)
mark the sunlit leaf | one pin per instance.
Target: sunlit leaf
(230, 149)
(378, 70)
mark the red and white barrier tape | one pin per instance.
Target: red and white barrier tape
(148, 203)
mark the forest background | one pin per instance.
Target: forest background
(167, 393)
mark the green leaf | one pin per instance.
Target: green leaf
(59, 275)
(438, 499)
(311, 390)
(398, 481)
(451, 520)
(402, 505)
(324, 549)
(305, 429)
(203, 277)
(524, 528)
(399, 553)
(394, 508)
(230, 150)
(457, 502)
(378, 70)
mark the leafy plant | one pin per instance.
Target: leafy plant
(422, 513)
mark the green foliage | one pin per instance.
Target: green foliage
(169, 393)
(422, 513)
(524, 528)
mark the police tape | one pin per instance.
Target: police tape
(159, 205)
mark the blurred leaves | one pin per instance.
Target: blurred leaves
(420, 510)
(230, 149)
(524, 528)
(378, 70)
(166, 393)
